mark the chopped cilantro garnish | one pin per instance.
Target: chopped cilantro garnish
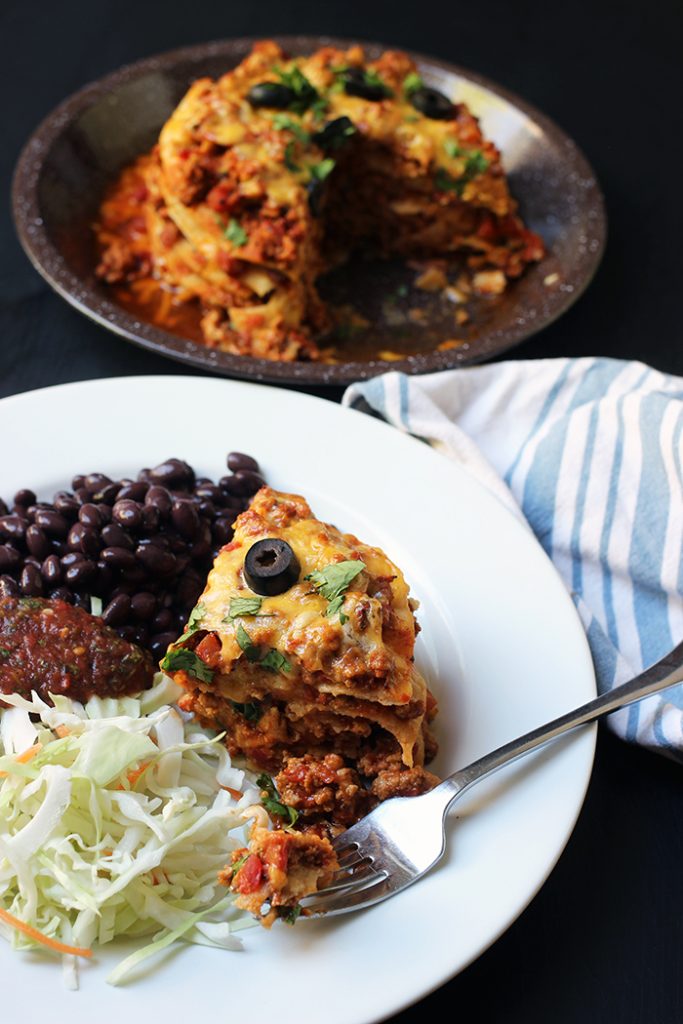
(333, 581)
(283, 122)
(187, 661)
(289, 914)
(412, 82)
(290, 163)
(252, 710)
(236, 234)
(319, 108)
(475, 164)
(453, 148)
(271, 800)
(321, 170)
(246, 643)
(193, 622)
(272, 659)
(240, 606)
(372, 78)
(275, 662)
(4, 653)
(240, 862)
(304, 93)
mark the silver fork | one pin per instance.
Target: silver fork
(404, 837)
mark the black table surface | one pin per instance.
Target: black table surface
(602, 941)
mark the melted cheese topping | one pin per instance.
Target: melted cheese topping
(369, 655)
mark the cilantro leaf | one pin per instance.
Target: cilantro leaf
(289, 914)
(305, 94)
(283, 122)
(276, 662)
(252, 710)
(321, 170)
(243, 606)
(193, 621)
(333, 581)
(240, 862)
(453, 148)
(290, 163)
(181, 659)
(412, 82)
(246, 643)
(475, 164)
(272, 802)
(236, 234)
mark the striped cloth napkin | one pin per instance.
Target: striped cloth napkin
(590, 452)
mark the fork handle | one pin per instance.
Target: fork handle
(663, 674)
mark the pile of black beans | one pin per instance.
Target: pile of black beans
(144, 547)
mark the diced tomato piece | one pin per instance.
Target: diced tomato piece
(209, 650)
(249, 876)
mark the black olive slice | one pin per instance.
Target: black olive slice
(314, 189)
(271, 94)
(432, 103)
(271, 567)
(357, 83)
(335, 134)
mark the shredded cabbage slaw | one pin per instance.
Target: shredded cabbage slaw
(115, 818)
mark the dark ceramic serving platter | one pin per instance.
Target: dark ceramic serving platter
(80, 147)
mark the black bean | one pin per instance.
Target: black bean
(246, 482)
(82, 495)
(127, 513)
(161, 621)
(160, 642)
(238, 460)
(51, 570)
(188, 590)
(143, 605)
(66, 504)
(80, 573)
(159, 498)
(3, 508)
(32, 560)
(200, 550)
(173, 473)
(96, 481)
(150, 518)
(146, 475)
(8, 587)
(210, 491)
(105, 512)
(118, 557)
(133, 489)
(134, 634)
(78, 482)
(91, 542)
(115, 537)
(59, 547)
(71, 558)
(221, 531)
(75, 536)
(155, 559)
(82, 600)
(54, 524)
(89, 515)
(137, 574)
(117, 611)
(207, 509)
(31, 582)
(62, 594)
(25, 498)
(107, 495)
(13, 527)
(185, 518)
(432, 103)
(9, 558)
(103, 581)
(275, 95)
(37, 542)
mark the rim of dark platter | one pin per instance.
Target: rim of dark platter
(543, 294)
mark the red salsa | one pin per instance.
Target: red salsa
(54, 647)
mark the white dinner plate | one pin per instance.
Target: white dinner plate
(501, 646)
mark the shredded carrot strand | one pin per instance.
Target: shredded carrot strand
(29, 754)
(233, 792)
(45, 940)
(135, 774)
(62, 731)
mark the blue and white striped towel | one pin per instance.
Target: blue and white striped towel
(591, 452)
